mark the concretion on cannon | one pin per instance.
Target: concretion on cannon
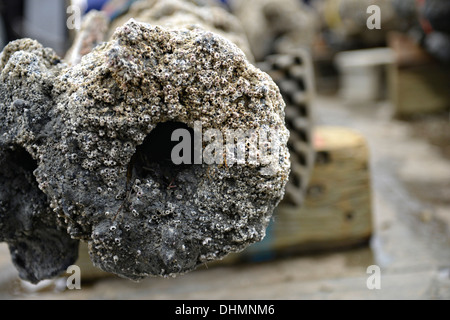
(174, 14)
(93, 137)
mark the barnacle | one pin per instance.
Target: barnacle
(101, 151)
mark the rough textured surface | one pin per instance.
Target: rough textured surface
(39, 248)
(179, 13)
(100, 163)
(155, 76)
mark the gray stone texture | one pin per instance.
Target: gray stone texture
(91, 132)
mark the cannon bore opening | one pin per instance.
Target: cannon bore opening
(154, 157)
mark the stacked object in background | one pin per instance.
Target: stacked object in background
(293, 73)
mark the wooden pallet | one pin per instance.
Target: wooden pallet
(337, 212)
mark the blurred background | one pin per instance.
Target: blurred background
(369, 114)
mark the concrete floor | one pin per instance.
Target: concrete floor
(411, 243)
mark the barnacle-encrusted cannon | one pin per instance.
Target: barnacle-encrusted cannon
(97, 134)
